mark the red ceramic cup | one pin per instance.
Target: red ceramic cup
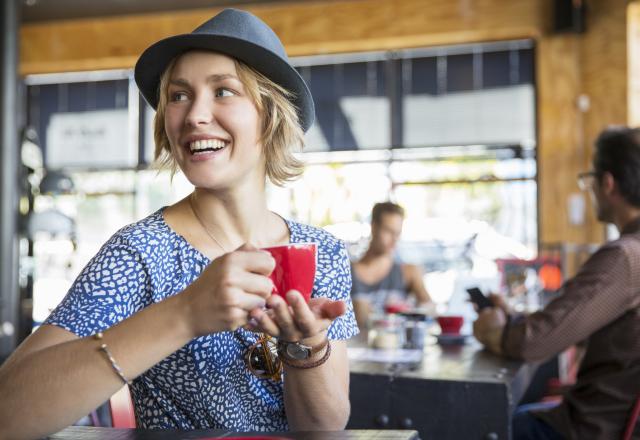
(295, 268)
(450, 325)
(396, 307)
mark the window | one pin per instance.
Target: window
(85, 120)
(448, 132)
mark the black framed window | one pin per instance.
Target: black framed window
(82, 122)
(457, 95)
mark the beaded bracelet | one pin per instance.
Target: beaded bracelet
(103, 347)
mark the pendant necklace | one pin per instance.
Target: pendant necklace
(204, 226)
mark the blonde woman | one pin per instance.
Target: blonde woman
(174, 303)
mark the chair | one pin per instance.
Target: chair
(568, 365)
(632, 421)
(122, 412)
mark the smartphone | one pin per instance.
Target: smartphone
(479, 298)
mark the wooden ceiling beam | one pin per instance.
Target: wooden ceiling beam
(305, 29)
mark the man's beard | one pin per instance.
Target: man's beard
(604, 214)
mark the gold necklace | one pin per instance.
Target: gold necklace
(209, 233)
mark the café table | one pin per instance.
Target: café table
(91, 433)
(452, 392)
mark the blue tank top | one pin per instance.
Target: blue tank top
(390, 288)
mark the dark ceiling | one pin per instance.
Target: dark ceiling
(44, 10)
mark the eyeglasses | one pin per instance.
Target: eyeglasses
(586, 179)
(262, 358)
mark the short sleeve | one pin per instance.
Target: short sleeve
(335, 284)
(109, 289)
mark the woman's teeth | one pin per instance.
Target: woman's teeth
(206, 145)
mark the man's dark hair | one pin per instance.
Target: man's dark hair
(385, 208)
(618, 152)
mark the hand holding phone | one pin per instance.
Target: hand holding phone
(479, 299)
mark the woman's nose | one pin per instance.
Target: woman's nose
(200, 112)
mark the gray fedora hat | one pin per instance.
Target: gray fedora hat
(240, 35)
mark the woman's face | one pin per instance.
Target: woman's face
(212, 124)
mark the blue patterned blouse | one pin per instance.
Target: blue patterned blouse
(205, 384)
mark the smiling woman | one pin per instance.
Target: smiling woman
(183, 297)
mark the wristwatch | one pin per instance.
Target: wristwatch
(295, 351)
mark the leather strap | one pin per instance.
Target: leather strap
(310, 363)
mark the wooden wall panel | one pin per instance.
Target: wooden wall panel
(305, 29)
(593, 64)
(559, 135)
(90, 44)
(633, 57)
(604, 76)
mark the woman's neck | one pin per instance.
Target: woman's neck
(234, 217)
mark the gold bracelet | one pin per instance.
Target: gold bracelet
(103, 347)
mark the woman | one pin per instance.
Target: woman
(175, 302)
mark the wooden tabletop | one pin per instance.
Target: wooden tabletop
(468, 362)
(91, 433)
(430, 394)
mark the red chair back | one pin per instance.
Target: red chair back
(122, 413)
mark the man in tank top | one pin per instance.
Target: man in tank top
(378, 279)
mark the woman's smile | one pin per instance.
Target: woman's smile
(202, 149)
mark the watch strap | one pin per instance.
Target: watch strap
(310, 362)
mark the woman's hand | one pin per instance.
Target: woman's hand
(227, 290)
(297, 320)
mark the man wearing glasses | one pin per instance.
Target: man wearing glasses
(599, 306)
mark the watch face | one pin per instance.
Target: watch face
(298, 352)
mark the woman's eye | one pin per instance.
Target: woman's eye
(222, 92)
(178, 96)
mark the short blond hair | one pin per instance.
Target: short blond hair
(281, 133)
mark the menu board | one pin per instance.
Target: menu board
(90, 139)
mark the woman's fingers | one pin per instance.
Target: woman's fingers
(229, 288)
(325, 308)
(283, 318)
(249, 301)
(254, 284)
(297, 319)
(333, 309)
(250, 259)
(264, 322)
(303, 316)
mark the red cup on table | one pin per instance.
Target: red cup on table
(295, 268)
(451, 324)
(396, 307)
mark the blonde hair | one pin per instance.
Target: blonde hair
(281, 132)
